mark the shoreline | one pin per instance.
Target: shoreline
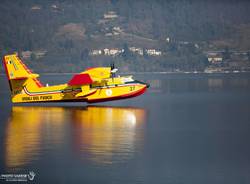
(147, 73)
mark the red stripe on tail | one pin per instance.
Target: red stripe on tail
(5, 67)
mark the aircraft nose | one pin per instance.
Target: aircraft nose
(148, 85)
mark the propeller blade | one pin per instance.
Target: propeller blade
(112, 65)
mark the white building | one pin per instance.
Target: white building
(54, 6)
(215, 59)
(110, 15)
(136, 50)
(153, 52)
(112, 52)
(36, 7)
(117, 29)
(108, 34)
(96, 52)
(116, 33)
(26, 54)
(40, 53)
(106, 51)
(37, 53)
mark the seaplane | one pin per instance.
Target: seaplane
(92, 85)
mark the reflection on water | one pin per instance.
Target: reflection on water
(100, 134)
(108, 134)
(198, 131)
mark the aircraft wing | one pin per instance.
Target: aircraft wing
(98, 73)
(90, 76)
(80, 79)
(83, 80)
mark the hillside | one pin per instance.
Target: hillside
(59, 35)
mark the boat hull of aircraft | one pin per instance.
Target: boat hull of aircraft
(68, 94)
(93, 85)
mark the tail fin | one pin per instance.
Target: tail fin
(18, 74)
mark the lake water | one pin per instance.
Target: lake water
(187, 128)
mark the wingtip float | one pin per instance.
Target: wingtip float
(92, 85)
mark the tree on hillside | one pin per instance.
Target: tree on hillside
(126, 54)
(226, 54)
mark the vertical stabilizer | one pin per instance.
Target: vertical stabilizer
(18, 74)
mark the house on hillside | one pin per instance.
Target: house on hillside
(214, 57)
(110, 15)
(239, 56)
(136, 50)
(36, 7)
(117, 28)
(96, 52)
(40, 53)
(153, 52)
(112, 52)
(26, 54)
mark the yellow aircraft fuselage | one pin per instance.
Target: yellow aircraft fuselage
(92, 85)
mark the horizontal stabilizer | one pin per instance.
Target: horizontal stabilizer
(23, 77)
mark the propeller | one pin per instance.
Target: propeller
(112, 65)
(113, 70)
